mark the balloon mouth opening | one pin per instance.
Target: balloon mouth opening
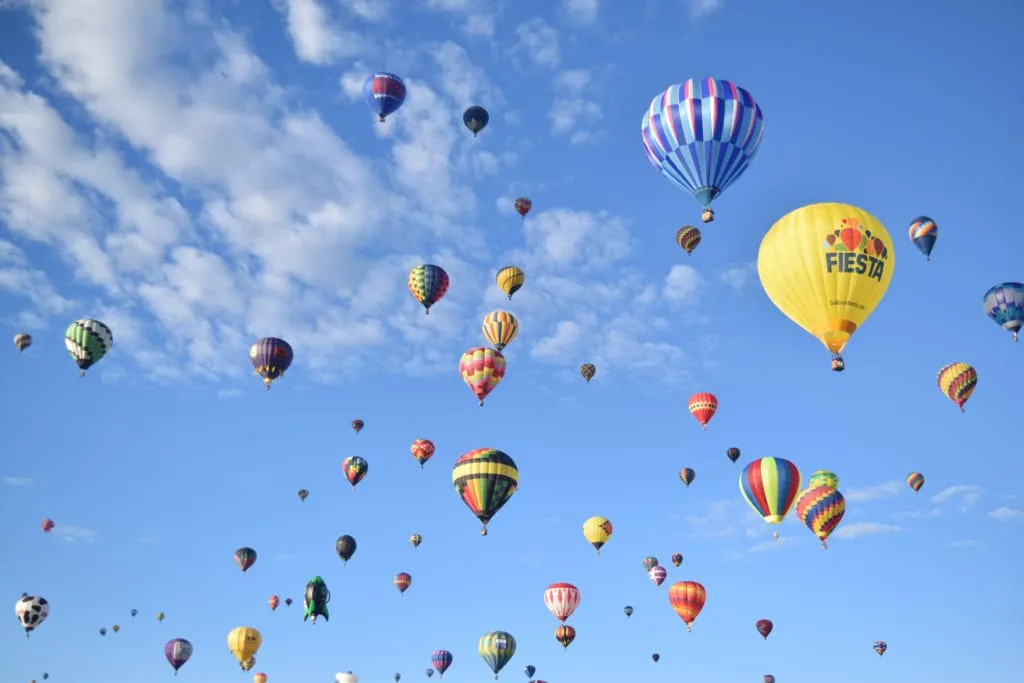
(773, 519)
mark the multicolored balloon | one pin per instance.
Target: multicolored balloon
(47, 525)
(770, 486)
(441, 660)
(677, 559)
(482, 369)
(355, 469)
(696, 121)
(384, 94)
(88, 341)
(649, 563)
(402, 581)
(497, 648)
(177, 651)
(687, 599)
(733, 454)
(500, 328)
(485, 479)
(357, 425)
(1005, 305)
(475, 119)
(422, 450)
(587, 371)
(823, 478)
(688, 237)
(821, 510)
(428, 284)
(958, 381)
(510, 278)
(657, 575)
(22, 341)
(303, 494)
(415, 540)
(880, 647)
(923, 233)
(270, 358)
(597, 531)
(686, 475)
(245, 558)
(523, 206)
(915, 480)
(703, 407)
(565, 635)
(561, 599)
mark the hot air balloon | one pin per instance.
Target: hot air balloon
(1005, 305)
(655, 657)
(561, 599)
(764, 627)
(688, 237)
(476, 119)
(649, 563)
(497, 648)
(274, 602)
(244, 642)
(826, 267)
(686, 475)
(103, 631)
(915, 480)
(270, 358)
(160, 616)
(657, 575)
(355, 469)
(245, 557)
(346, 677)
(315, 600)
(823, 478)
(597, 531)
(703, 407)
(485, 479)
(587, 371)
(687, 599)
(177, 652)
(345, 546)
(770, 485)
(428, 284)
(482, 369)
(880, 647)
(677, 559)
(628, 610)
(402, 582)
(115, 628)
(134, 612)
(958, 381)
(397, 677)
(303, 494)
(259, 678)
(768, 678)
(733, 454)
(923, 233)
(529, 670)
(702, 134)
(565, 635)
(31, 611)
(357, 425)
(510, 280)
(415, 539)
(47, 525)
(288, 602)
(430, 673)
(422, 450)
(22, 341)
(821, 509)
(88, 341)
(523, 206)
(441, 660)
(500, 328)
(384, 94)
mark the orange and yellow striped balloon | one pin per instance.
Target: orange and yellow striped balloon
(915, 480)
(687, 599)
(957, 381)
(688, 237)
(500, 328)
(821, 509)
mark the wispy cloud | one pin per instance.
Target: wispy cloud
(886, 490)
(725, 518)
(18, 481)
(1007, 514)
(228, 393)
(75, 534)
(702, 8)
(773, 544)
(929, 513)
(860, 529)
(965, 496)
(739, 277)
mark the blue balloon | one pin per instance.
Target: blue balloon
(384, 94)
(702, 135)
(923, 233)
(1005, 305)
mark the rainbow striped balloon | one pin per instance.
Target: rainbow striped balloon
(821, 509)
(770, 485)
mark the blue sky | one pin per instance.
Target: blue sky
(201, 174)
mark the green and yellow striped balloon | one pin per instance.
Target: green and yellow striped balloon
(485, 479)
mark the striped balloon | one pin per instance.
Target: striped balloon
(823, 478)
(428, 284)
(915, 480)
(485, 479)
(687, 599)
(770, 485)
(88, 341)
(923, 233)
(957, 381)
(1005, 305)
(688, 237)
(441, 660)
(500, 328)
(497, 648)
(562, 599)
(821, 509)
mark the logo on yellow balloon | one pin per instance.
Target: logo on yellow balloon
(851, 249)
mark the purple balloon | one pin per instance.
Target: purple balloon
(177, 652)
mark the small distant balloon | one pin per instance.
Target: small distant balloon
(476, 119)
(384, 94)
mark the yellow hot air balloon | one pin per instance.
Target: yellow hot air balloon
(597, 531)
(500, 328)
(826, 267)
(510, 279)
(244, 642)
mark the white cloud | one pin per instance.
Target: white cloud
(540, 42)
(964, 495)
(683, 283)
(739, 277)
(318, 38)
(886, 490)
(370, 10)
(702, 8)
(571, 112)
(727, 518)
(1006, 514)
(582, 11)
(480, 25)
(18, 481)
(930, 513)
(859, 529)
(773, 545)
(75, 534)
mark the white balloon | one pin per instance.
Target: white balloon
(347, 677)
